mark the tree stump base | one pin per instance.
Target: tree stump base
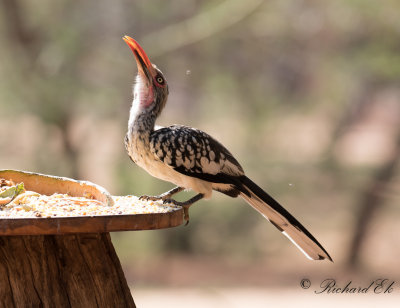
(68, 261)
(73, 270)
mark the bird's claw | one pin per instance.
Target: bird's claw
(165, 201)
(151, 198)
(145, 198)
(186, 215)
(182, 205)
(166, 198)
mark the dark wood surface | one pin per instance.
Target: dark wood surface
(76, 270)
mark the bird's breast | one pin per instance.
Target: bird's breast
(138, 149)
(137, 146)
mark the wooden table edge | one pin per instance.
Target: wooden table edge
(90, 224)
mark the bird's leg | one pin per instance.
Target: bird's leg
(185, 205)
(164, 196)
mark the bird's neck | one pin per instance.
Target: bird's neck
(141, 120)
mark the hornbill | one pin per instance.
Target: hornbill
(192, 159)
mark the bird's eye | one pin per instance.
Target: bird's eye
(160, 80)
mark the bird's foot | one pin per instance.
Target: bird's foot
(167, 200)
(186, 214)
(151, 198)
(165, 196)
(184, 205)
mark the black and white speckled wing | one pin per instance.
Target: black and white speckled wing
(193, 152)
(196, 154)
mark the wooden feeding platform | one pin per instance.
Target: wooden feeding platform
(59, 261)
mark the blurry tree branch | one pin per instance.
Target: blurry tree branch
(199, 27)
(355, 110)
(372, 196)
(17, 29)
(372, 199)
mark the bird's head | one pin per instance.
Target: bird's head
(151, 89)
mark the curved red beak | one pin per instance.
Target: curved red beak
(142, 60)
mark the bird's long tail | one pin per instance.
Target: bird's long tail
(283, 220)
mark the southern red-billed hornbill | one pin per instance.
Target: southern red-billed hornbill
(192, 159)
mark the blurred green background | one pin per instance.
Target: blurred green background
(306, 95)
